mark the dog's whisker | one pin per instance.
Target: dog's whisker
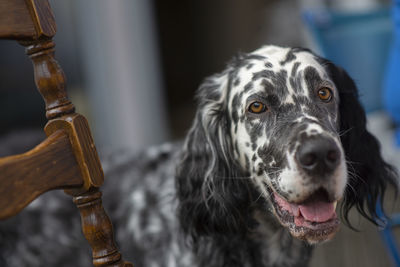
(353, 173)
(341, 133)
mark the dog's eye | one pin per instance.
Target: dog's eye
(325, 94)
(257, 107)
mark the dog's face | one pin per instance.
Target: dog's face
(284, 127)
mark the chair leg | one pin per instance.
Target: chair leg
(98, 230)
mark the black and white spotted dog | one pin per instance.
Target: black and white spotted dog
(278, 139)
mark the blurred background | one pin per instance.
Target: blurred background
(133, 66)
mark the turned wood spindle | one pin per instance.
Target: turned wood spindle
(98, 230)
(49, 78)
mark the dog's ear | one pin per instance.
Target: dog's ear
(369, 174)
(212, 198)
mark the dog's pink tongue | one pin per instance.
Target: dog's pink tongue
(317, 211)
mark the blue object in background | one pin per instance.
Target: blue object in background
(358, 42)
(392, 106)
(392, 79)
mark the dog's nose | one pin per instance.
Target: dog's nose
(318, 155)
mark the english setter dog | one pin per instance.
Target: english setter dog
(279, 138)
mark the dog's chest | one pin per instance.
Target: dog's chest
(277, 246)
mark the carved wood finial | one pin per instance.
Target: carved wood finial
(49, 78)
(97, 229)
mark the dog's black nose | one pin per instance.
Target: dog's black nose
(318, 155)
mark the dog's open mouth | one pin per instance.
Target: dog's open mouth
(314, 220)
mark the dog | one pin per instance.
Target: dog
(278, 139)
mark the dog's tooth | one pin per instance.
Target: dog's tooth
(334, 204)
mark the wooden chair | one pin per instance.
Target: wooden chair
(67, 158)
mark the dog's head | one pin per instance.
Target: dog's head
(282, 127)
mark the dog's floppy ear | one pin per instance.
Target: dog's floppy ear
(212, 201)
(369, 174)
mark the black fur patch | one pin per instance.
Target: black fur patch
(289, 58)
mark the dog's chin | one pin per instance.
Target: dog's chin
(319, 222)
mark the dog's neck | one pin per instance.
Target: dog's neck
(277, 246)
(266, 243)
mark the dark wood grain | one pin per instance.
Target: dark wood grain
(24, 177)
(15, 20)
(43, 17)
(98, 230)
(49, 78)
(26, 20)
(83, 145)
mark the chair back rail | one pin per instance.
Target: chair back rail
(26, 19)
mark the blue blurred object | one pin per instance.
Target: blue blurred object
(392, 79)
(392, 105)
(358, 42)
